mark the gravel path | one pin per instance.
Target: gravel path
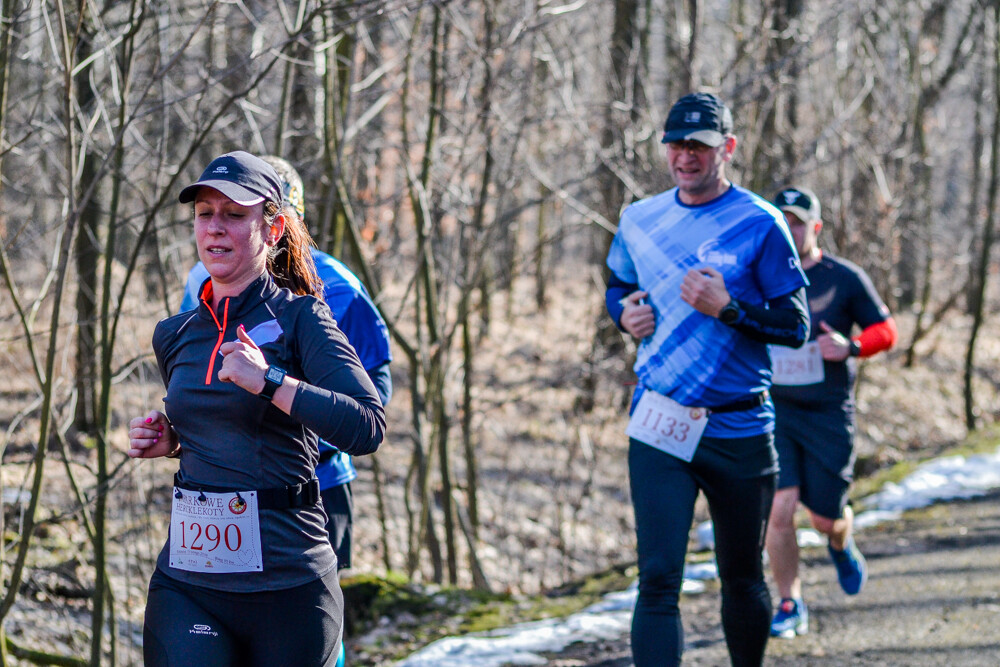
(933, 598)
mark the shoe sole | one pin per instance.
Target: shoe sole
(791, 633)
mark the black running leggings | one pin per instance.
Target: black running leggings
(187, 626)
(664, 490)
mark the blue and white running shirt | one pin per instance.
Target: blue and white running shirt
(694, 358)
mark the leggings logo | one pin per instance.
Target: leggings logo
(200, 629)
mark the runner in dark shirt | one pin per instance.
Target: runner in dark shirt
(813, 394)
(360, 320)
(254, 376)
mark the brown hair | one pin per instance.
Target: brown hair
(289, 261)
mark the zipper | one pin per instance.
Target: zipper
(218, 343)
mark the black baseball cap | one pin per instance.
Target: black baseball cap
(244, 178)
(698, 117)
(800, 201)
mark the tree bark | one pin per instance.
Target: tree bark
(978, 315)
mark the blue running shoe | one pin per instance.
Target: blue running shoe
(792, 619)
(852, 570)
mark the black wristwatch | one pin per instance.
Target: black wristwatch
(730, 312)
(272, 380)
(855, 349)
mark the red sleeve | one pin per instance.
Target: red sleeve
(877, 337)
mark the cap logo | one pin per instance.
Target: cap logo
(791, 196)
(692, 116)
(221, 169)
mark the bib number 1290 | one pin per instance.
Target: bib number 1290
(215, 532)
(201, 536)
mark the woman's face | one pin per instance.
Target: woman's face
(232, 239)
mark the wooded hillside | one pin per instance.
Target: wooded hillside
(469, 161)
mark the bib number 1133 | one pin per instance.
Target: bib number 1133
(665, 424)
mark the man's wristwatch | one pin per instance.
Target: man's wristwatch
(272, 380)
(855, 349)
(730, 312)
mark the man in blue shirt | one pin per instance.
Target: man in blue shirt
(361, 322)
(705, 276)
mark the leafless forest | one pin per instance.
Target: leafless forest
(468, 160)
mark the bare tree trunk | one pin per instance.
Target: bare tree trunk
(690, 73)
(775, 148)
(428, 352)
(917, 251)
(471, 466)
(541, 249)
(383, 515)
(988, 231)
(976, 146)
(334, 216)
(6, 34)
(61, 270)
(623, 81)
(681, 55)
(620, 87)
(915, 239)
(442, 426)
(87, 251)
(471, 266)
(287, 108)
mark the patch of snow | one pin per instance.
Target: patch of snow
(948, 478)
(520, 644)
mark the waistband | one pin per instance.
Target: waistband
(278, 498)
(749, 403)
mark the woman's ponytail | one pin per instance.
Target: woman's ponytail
(290, 261)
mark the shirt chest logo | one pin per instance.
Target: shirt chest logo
(265, 333)
(709, 252)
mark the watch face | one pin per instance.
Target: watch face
(729, 313)
(274, 374)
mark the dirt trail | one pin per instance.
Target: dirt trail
(933, 598)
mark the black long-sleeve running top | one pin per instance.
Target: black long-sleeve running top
(233, 439)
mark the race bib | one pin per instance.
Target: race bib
(215, 532)
(664, 423)
(794, 367)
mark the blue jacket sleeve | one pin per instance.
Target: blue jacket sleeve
(336, 399)
(617, 290)
(196, 278)
(382, 379)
